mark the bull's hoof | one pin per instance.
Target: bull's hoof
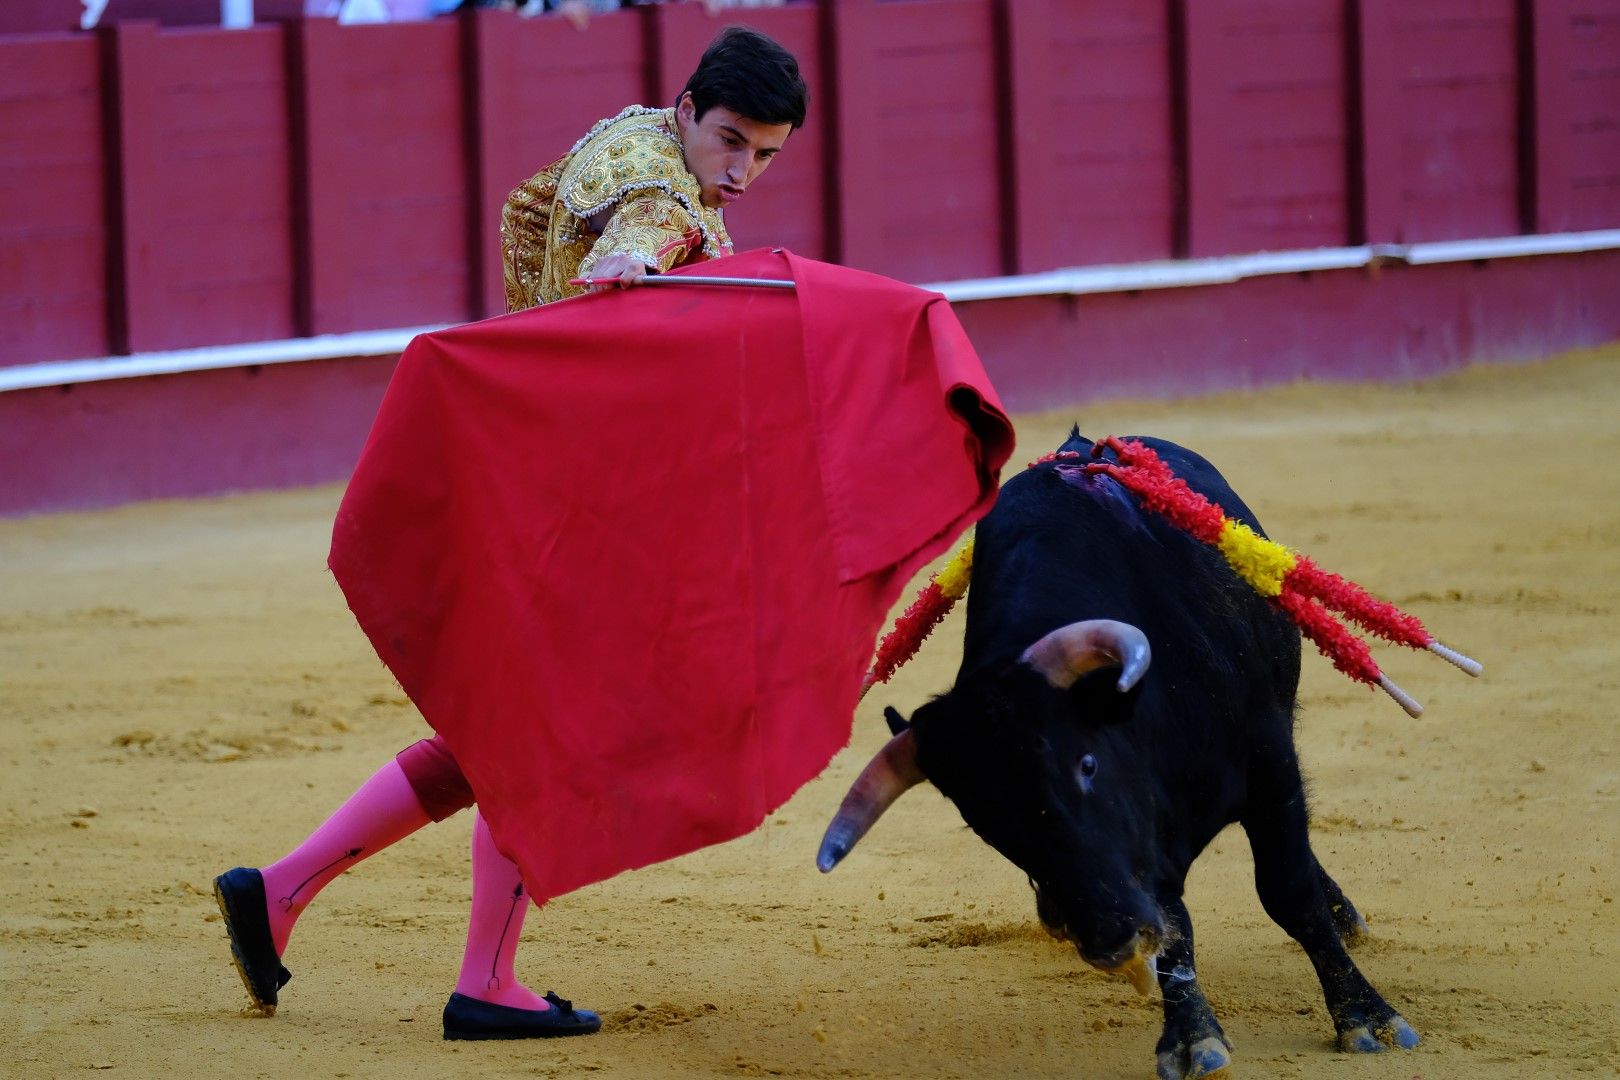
(1206, 1058)
(1374, 1038)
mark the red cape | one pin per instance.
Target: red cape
(629, 553)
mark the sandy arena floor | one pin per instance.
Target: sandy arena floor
(181, 690)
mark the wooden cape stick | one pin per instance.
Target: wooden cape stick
(692, 279)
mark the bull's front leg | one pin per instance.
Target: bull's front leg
(1289, 881)
(1351, 926)
(1193, 1044)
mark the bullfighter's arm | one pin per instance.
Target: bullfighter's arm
(525, 222)
(651, 227)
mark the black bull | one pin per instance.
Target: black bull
(1103, 777)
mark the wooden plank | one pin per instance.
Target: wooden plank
(919, 143)
(857, 94)
(317, 210)
(1594, 71)
(1035, 177)
(1461, 133)
(1208, 108)
(53, 279)
(493, 92)
(135, 172)
(1378, 206)
(222, 204)
(1288, 127)
(383, 175)
(1117, 138)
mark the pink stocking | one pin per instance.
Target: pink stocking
(383, 810)
(499, 903)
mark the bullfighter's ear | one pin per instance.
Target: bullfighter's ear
(896, 722)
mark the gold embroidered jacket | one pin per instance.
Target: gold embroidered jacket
(622, 189)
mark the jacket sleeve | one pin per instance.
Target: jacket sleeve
(650, 225)
(525, 223)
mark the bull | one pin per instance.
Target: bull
(1123, 696)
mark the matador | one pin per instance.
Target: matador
(642, 192)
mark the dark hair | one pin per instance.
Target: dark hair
(750, 74)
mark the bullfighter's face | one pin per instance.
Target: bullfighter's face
(726, 151)
(1046, 777)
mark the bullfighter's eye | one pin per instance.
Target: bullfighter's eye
(1087, 770)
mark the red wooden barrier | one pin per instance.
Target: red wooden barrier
(1095, 170)
(1266, 125)
(53, 229)
(308, 178)
(1377, 200)
(200, 142)
(170, 187)
(1592, 88)
(1456, 64)
(104, 443)
(920, 139)
(1547, 92)
(383, 181)
(1403, 323)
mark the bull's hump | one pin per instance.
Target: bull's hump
(1048, 493)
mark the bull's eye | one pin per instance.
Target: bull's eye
(1087, 770)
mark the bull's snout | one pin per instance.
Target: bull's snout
(1136, 958)
(1108, 939)
(1142, 942)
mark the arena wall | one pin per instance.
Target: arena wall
(181, 197)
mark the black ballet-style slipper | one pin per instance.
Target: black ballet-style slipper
(240, 893)
(469, 1018)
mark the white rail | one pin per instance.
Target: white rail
(1073, 281)
(1225, 269)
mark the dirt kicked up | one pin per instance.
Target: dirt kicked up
(182, 690)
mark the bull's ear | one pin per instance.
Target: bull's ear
(896, 722)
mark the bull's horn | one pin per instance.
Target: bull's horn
(1071, 651)
(886, 777)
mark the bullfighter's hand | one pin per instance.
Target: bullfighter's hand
(618, 271)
